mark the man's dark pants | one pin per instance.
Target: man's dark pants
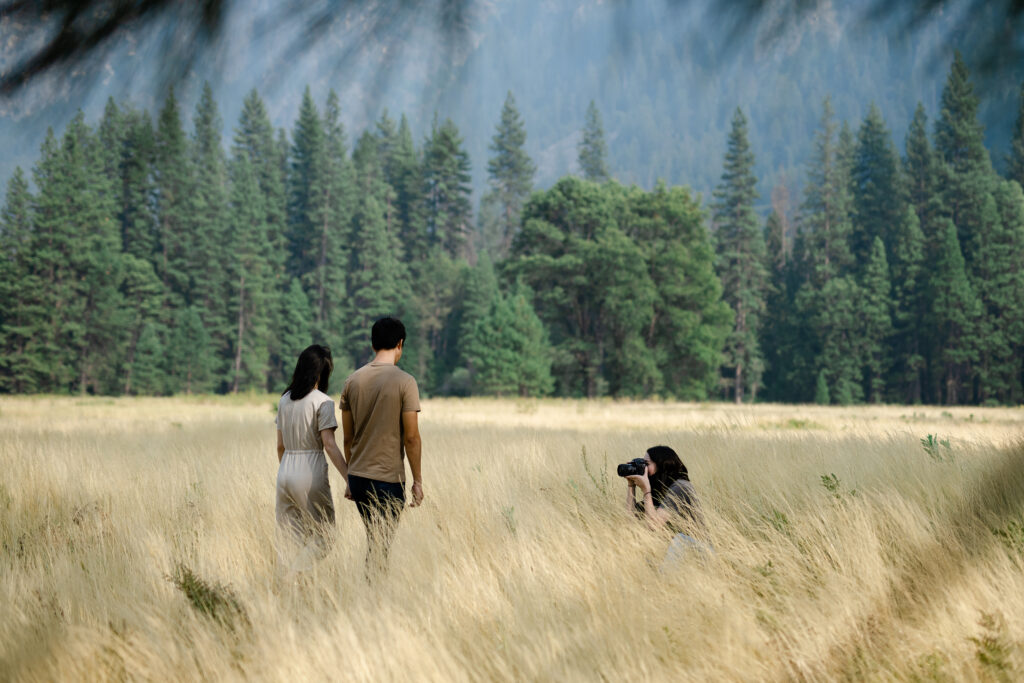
(380, 505)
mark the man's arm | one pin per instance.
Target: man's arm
(413, 450)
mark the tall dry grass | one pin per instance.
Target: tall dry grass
(137, 541)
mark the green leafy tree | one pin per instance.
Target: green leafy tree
(593, 151)
(508, 348)
(591, 286)
(691, 321)
(739, 242)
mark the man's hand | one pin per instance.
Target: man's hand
(417, 494)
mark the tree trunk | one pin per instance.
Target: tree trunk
(738, 387)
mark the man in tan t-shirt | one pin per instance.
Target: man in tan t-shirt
(380, 404)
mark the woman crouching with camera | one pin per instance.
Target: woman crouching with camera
(668, 497)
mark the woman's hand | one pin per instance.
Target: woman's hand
(640, 480)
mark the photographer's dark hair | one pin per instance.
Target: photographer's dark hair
(312, 371)
(669, 469)
(386, 334)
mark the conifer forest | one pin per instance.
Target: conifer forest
(139, 256)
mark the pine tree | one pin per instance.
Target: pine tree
(741, 259)
(780, 336)
(593, 151)
(910, 313)
(249, 307)
(139, 228)
(294, 329)
(446, 189)
(254, 137)
(173, 188)
(825, 215)
(146, 367)
(998, 281)
(190, 358)
(307, 184)
(510, 176)
(923, 172)
(1015, 161)
(405, 175)
(966, 171)
(111, 133)
(877, 192)
(20, 317)
(378, 283)
(821, 393)
(955, 313)
(876, 319)
(331, 200)
(142, 297)
(826, 299)
(207, 223)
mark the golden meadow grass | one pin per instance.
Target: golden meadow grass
(843, 547)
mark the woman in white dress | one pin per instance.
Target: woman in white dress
(305, 432)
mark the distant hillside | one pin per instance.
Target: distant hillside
(663, 74)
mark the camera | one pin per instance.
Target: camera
(635, 466)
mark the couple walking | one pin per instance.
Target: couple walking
(379, 417)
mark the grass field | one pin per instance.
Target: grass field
(845, 547)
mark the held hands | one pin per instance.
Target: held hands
(640, 480)
(417, 494)
(348, 490)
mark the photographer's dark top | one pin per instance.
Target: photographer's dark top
(377, 394)
(680, 500)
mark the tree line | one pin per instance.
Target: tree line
(144, 259)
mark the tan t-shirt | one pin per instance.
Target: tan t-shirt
(301, 421)
(377, 394)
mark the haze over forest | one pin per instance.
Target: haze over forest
(666, 77)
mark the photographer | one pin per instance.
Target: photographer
(669, 498)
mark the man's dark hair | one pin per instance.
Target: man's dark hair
(386, 334)
(312, 371)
